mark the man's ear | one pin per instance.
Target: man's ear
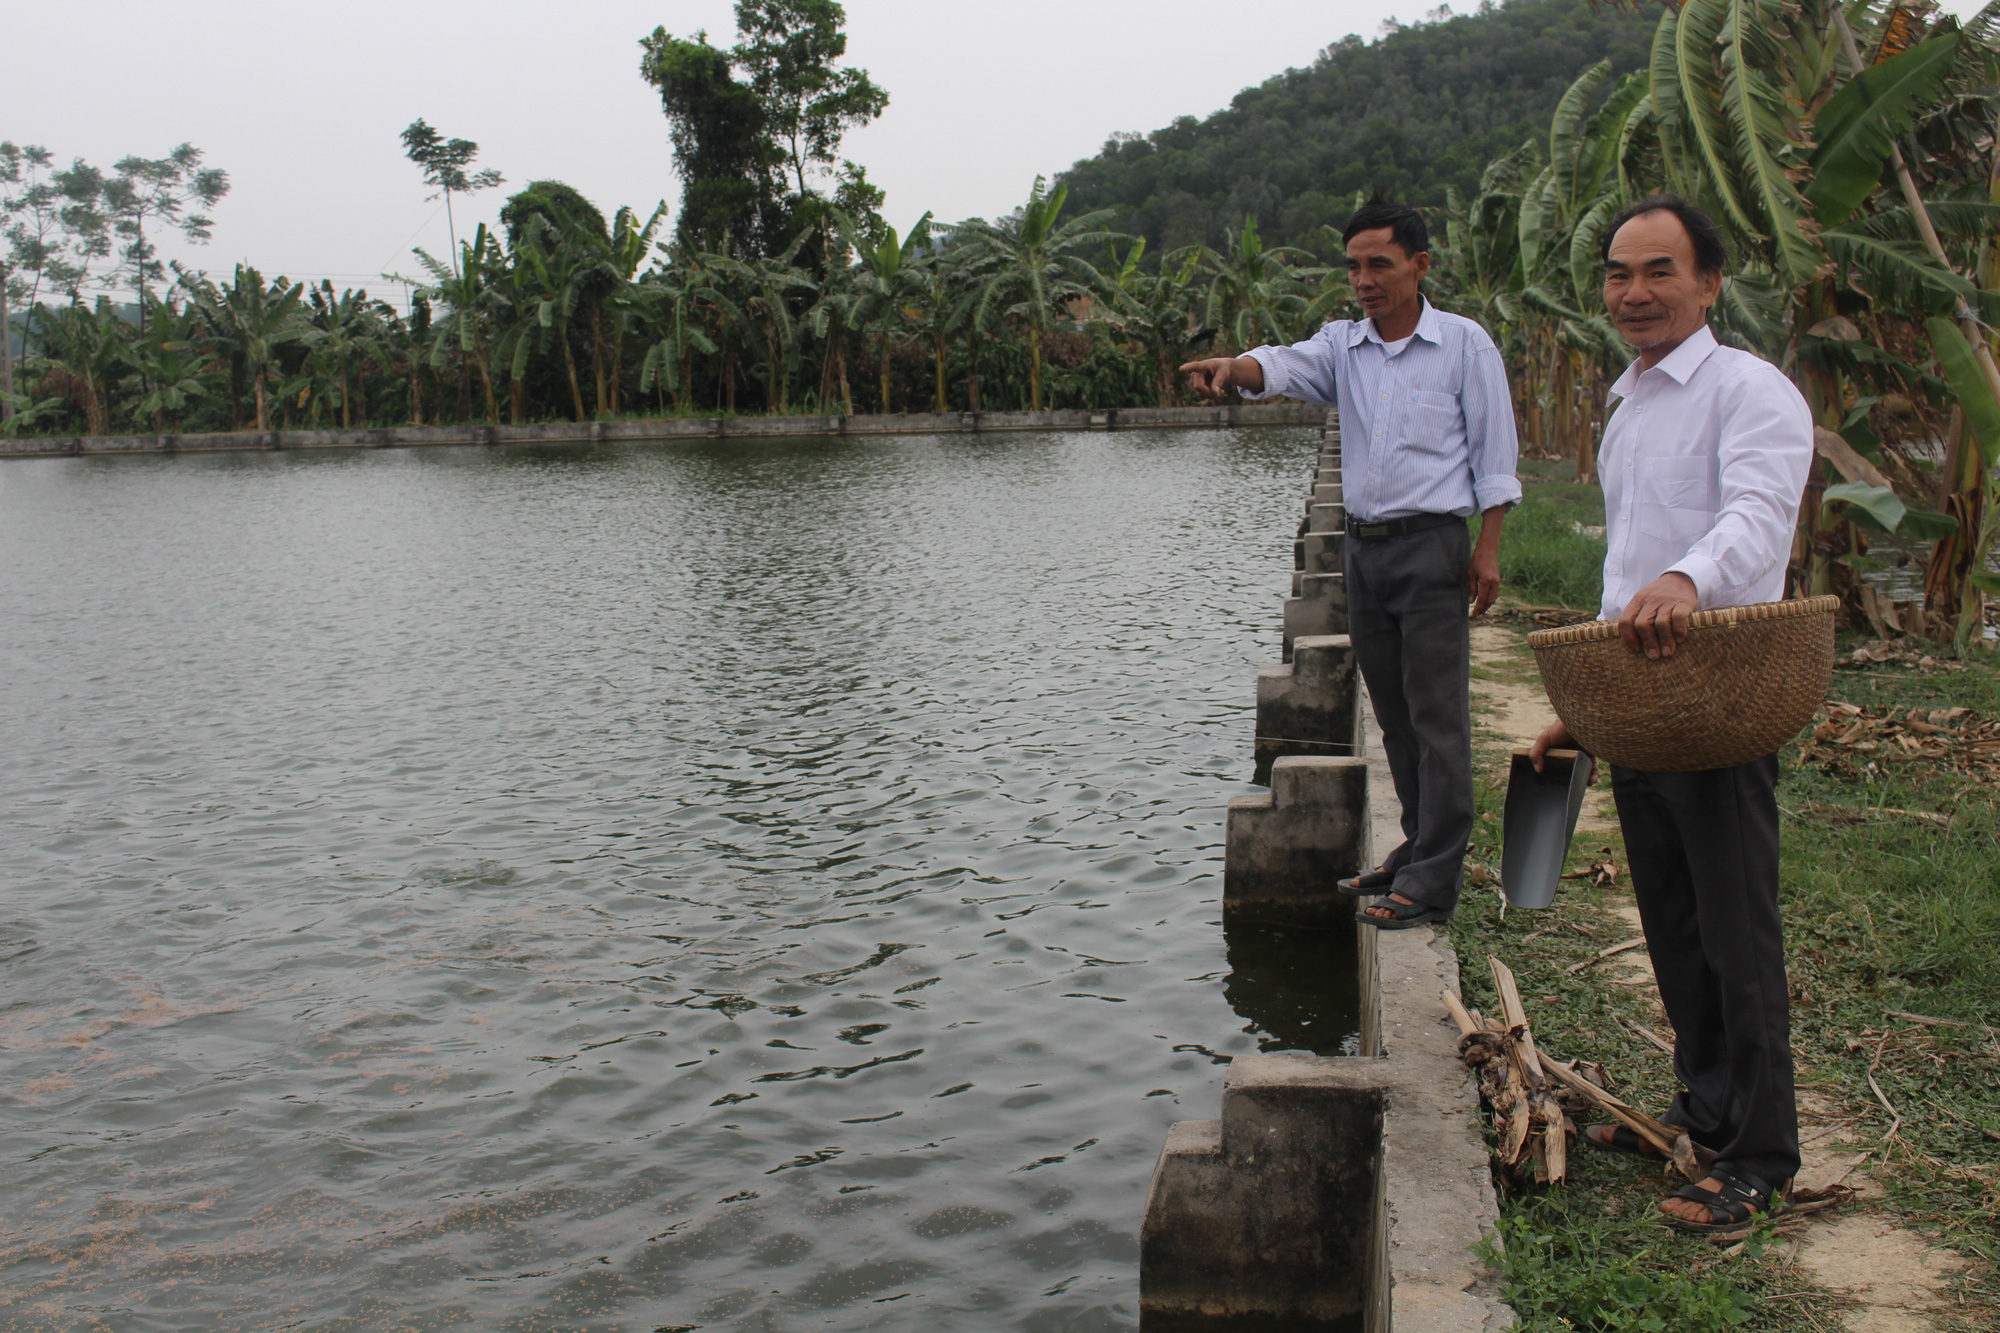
(1423, 263)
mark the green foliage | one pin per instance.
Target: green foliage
(559, 206)
(445, 164)
(1561, 1272)
(1877, 502)
(1858, 125)
(790, 49)
(1024, 267)
(774, 106)
(1547, 552)
(1421, 111)
(721, 150)
(161, 190)
(1968, 384)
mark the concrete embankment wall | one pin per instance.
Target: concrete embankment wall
(1347, 1189)
(674, 428)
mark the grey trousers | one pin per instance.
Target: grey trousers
(1406, 615)
(1703, 849)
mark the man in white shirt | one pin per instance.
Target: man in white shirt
(1703, 464)
(1427, 440)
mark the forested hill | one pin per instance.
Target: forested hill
(1422, 108)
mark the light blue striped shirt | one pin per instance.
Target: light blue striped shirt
(1428, 429)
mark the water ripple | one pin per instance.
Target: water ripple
(662, 886)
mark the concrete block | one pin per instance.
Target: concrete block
(1284, 849)
(1320, 552)
(1310, 705)
(1298, 553)
(1327, 518)
(1271, 1210)
(1320, 608)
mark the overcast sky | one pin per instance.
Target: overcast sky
(302, 105)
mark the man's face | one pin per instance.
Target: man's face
(1383, 276)
(1652, 288)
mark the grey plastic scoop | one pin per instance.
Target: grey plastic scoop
(1538, 822)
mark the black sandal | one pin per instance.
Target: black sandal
(1366, 884)
(1402, 915)
(1730, 1208)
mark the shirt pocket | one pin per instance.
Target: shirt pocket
(1675, 502)
(1430, 422)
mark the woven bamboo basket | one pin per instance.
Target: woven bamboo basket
(1743, 682)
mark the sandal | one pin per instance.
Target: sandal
(1366, 884)
(1730, 1208)
(1402, 915)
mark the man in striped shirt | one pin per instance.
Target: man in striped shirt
(1427, 440)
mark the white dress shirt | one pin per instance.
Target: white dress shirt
(1426, 428)
(1704, 461)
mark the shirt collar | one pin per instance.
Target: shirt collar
(1678, 365)
(1428, 324)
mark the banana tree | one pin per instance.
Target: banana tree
(249, 320)
(1024, 266)
(1156, 309)
(466, 328)
(888, 281)
(1957, 579)
(672, 298)
(763, 306)
(931, 309)
(631, 242)
(83, 350)
(172, 379)
(342, 340)
(1770, 112)
(561, 274)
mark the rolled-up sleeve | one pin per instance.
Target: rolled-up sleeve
(1762, 457)
(1304, 370)
(1491, 445)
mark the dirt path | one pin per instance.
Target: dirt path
(1894, 1278)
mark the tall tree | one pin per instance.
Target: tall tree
(166, 191)
(47, 219)
(753, 123)
(445, 164)
(716, 124)
(791, 50)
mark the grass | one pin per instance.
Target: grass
(1882, 914)
(1544, 558)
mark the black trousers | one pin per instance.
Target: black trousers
(1406, 615)
(1703, 849)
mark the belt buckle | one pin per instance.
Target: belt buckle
(1371, 530)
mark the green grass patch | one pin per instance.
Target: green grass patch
(1544, 557)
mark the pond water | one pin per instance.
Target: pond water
(762, 885)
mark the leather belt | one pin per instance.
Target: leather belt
(1399, 527)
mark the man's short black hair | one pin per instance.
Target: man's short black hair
(1405, 224)
(1709, 256)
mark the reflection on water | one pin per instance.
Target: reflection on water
(1279, 981)
(1159, 1323)
(757, 886)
